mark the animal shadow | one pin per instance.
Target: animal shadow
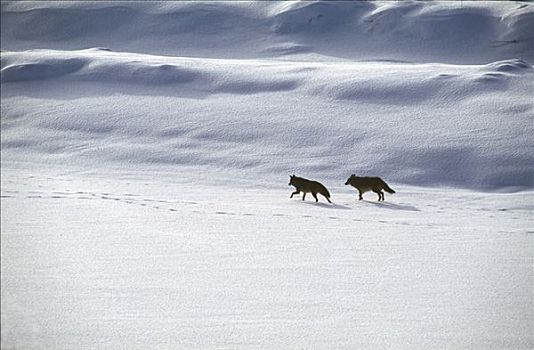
(328, 206)
(392, 206)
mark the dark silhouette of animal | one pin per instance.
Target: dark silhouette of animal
(365, 184)
(305, 186)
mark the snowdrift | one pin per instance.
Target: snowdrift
(452, 32)
(431, 124)
(322, 89)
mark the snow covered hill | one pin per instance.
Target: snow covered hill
(431, 31)
(146, 148)
(297, 103)
(432, 124)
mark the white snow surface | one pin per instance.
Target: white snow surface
(146, 148)
(109, 262)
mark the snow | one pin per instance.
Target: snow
(324, 119)
(470, 32)
(128, 263)
(146, 148)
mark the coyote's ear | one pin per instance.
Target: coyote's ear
(353, 175)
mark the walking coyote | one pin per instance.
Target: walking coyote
(305, 186)
(365, 184)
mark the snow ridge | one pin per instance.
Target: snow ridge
(466, 32)
(325, 90)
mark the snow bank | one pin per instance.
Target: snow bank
(44, 69)
(432, 124)
(453, 32)
(322, 89)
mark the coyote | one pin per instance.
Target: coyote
(305, 186)
(365, 184)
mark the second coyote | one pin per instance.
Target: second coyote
(365, 184)
(305, 186)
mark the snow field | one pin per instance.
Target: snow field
(125, 262)
(146, 148)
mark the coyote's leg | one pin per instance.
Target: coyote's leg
(378, 193)
(315, 196)
(382, 194)
(294, 193)
(360, 195)
(303, 195)
(328, 199)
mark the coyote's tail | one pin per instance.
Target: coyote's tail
(325, 192)
(387, 188)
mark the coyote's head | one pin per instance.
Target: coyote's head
(292, 180)
(352, 177)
